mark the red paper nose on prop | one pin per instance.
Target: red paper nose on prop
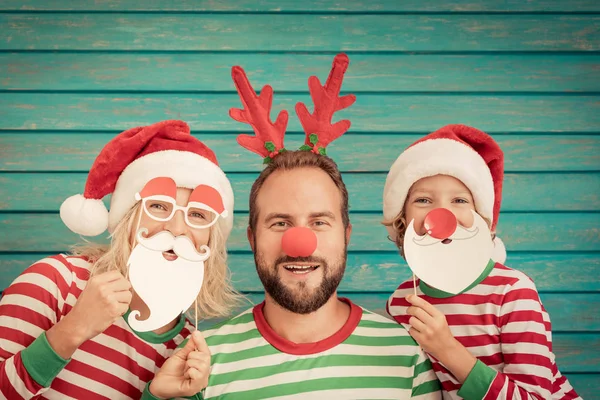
(299, 242)
(440, 223)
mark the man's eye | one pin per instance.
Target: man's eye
(280, 224)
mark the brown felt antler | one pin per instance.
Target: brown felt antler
(317, 126)
(268, 139)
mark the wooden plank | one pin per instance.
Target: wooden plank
(299, 32)
(276, 6)
(76, 151)
(545, 191)
(289, 72)
(371, 113)
(383, 272)
(586, 385)
(520, 232)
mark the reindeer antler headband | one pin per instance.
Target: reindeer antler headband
(268, 139)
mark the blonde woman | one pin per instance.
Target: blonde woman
(98, 323)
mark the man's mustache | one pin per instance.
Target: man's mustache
(292, 260)
(182, 246)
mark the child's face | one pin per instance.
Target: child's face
(439, 191)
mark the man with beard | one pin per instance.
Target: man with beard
(481, 323)
(303, 341)
(74, 325)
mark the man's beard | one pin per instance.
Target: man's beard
(299, 298)
(168, 288)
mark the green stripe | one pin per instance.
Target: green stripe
(230, 338)
(424, 366)
(351, 382)
(380, 341)
(255, 352)
(426, 387)
(380, 325)
(334, 360)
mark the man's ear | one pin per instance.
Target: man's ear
(348, 233)
(250, 237)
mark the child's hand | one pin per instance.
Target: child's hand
(186, 372)
(429, 328)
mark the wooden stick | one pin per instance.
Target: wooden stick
(415, 284)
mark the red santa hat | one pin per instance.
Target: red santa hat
(461, 151)
(131, 160)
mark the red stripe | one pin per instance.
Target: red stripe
(35, 292)
(522, 316)
(492, 359)
(524, 337)
(26, 314)
(17, 336)
(532, 380)
(68, 389)
(478, 340)
(499, 280)
(118, 358)
(472, 320)
(528, 359)
(52, 273)
(30, 384)
(495, 388)
(132, 340)
(6, 387)
(100, 376)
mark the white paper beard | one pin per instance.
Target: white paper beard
(168, 288)
(454, 266)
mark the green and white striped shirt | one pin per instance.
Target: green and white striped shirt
(371, 357)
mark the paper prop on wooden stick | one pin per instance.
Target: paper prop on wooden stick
(167, 271)
(448, 257)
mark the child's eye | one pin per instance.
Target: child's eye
(461, 201)
(422, 200)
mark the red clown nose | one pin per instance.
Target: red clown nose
(440, 223)
(299, 242)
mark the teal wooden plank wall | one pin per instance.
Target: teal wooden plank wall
(73, 74)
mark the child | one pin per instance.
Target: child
(493, 339)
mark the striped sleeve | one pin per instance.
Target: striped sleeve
(526, 350)
(425, 384)
(32, 304)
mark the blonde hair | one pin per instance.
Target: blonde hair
(217, 298)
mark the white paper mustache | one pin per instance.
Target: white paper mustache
(182, 246)
(461, 233)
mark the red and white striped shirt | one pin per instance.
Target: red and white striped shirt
(503, 323)
(116, 364)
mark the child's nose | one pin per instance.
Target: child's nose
(299, 242)
(440, 223)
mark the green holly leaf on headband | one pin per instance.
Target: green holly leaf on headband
(305, 147)
(322, 151)
(313, 138)
(267, 160)
(270, 146)
(283, 150)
